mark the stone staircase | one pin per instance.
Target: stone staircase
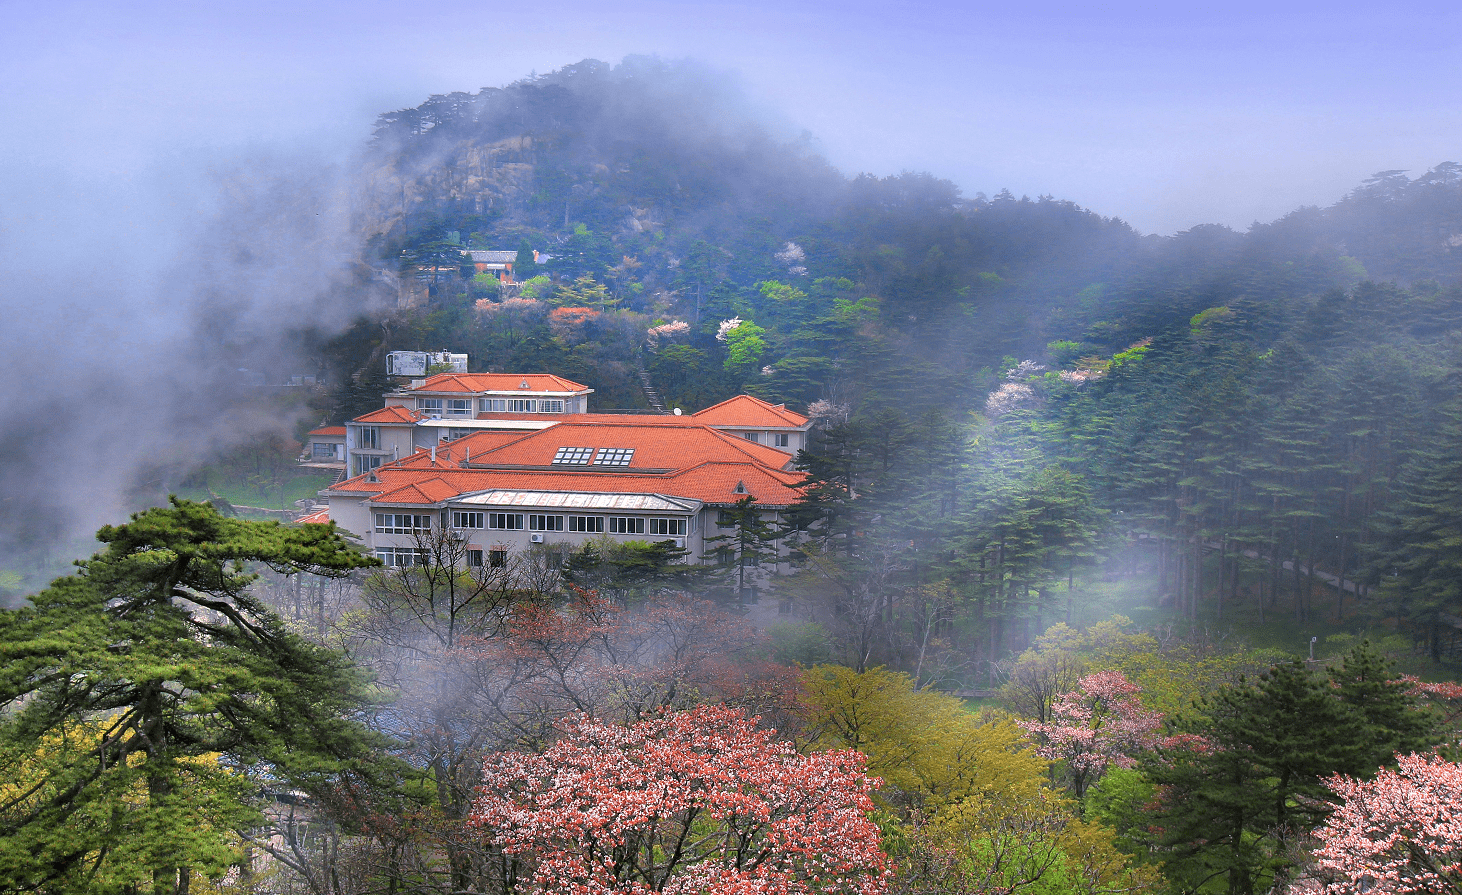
(651, 394)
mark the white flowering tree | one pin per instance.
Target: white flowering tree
(1399, 833)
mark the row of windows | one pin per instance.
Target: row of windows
(776, 438)
(396, 557)
(445, 406)
(401, 523)
(520, 405)
(546, 522)
(406, 557)
(463, 406)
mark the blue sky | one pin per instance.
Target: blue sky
(1167, 115)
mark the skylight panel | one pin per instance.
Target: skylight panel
(574, 456)
(614, 456)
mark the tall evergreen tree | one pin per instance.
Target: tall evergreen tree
(1417, 562)
(157, 647)
(1391, 722)
(1242, 780)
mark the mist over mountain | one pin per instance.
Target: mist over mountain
(663, 164)
(1211, 408)
(682, 200)
(1068, 505)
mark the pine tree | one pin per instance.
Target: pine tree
(1241, 781)
(157, 646)
(1418, 560)
(750, 543)
(1392, 723)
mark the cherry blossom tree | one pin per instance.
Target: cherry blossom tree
(1099, 723)
(701, 801)
(1398, 833)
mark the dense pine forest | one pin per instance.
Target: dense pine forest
(1125, 562)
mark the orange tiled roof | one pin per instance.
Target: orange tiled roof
(656, 445)
(744, 410)
(319, 517)
(699, 463)
(451, 453)
(392, 414)
(360, 484)
(658, 419)
(714, 483)
(329, 430)
(419, 492)
(497, 382)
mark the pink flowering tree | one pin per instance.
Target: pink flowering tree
(1399, 833)
(700, 801)
(1100, 723)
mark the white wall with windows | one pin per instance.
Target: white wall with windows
(789, 440)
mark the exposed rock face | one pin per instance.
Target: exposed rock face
(472, 177)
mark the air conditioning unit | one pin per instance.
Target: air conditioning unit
(537, 539)
(680, 542)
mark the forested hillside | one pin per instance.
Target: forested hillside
(1217, 413)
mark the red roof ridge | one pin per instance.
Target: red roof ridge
(474, 382)
(779, 410)
(744, 446)
(754, 464)
(420, 489)
(392, 413)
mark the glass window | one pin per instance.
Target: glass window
(753, 436)
(781, 439)
(673, 527)
(467, 520)
(492, 405)
(573, 456)
(593, 524)
(400, 557)
(505, 521)
(365, 464)
(614, 456)
(474, 559)
(546, 406)
(521, 405)
(321, 451)
(459, 407)
(626, 525)
(497, 557)
(429, 406)
(402, 523)
(368, 438)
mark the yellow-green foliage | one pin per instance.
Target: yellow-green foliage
(972, 794)
(189, 826)
(929, 750)
(1032, 844)
(1171, 676)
